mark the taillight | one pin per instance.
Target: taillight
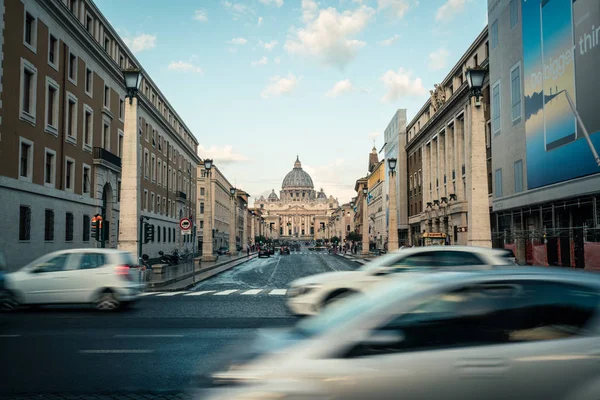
(123, 271)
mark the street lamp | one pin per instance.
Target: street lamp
(207, 232)
(232, 241)
(133, 80)
(365, 223)
(393, 219)
(475, 78)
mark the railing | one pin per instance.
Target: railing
(103, 154)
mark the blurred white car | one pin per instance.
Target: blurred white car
(107, 278)
(516, 333)
(307, 296)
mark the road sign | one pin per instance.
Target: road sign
(185, 224)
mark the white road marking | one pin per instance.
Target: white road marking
(199, 293)
(252, 291)
(225, 292)
(9, 336)
(148, 336)
(278, 292)
(148, 294)
(117, 351)
(170, 294)
(274, 270)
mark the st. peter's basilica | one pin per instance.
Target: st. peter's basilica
(299, 212)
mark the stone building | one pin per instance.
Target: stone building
(299, 212)
(378, 234)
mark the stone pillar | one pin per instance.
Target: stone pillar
(252, 230)
(426, 175)
(459, 140)
(232, 228)
(207, 238)
(129, 215)
(479, 229)
(442, 167)
(365, 223)
(245, 229)
(450, 159)
(434, 169)
(393, 225)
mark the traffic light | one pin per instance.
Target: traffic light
(148, 233)
(97, 227)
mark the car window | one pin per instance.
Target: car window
(498, 313)
(439, 259)
(127, 258)
(92, 260)
(55, 264)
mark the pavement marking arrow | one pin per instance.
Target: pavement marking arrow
(170, 294)
(253, 291)
(225, 292)
(278, 292)
(199, 293)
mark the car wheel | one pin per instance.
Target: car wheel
(107, 301)
(8, 301)
(336, 297)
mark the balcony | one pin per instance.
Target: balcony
(107, 159)
(181, 196)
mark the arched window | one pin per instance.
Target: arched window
(348, 228)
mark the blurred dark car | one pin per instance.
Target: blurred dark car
(272, 251)
(285, 250)
(222, 251)
(4, 295)
(264, 252)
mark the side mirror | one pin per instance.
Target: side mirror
(381, 271)
(38, 269)
(384, 338)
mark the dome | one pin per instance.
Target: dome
(297, 178)
(321, 195)
(273, 196)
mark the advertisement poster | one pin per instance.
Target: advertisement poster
(561, 65)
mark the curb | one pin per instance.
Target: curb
(161, 288)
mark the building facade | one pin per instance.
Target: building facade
(299, 212)
(375, 207)
(438, 137)
(545, 126)
(63, 130)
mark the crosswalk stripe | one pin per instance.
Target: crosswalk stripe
(225, 292)
(278, 292)
(170, 294)
(252, 291)
(199, 293)
(148, 294)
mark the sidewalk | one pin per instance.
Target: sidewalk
(184, 276)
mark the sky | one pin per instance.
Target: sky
(260, 82)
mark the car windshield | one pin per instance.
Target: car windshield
(383, 261)
(360, 304)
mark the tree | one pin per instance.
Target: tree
(335, 239)
(354, 237)
(326, 240)
(259, 239)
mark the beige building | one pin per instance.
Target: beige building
(299, 212)
(378, 234)
(63, 127)
(439, 138)
(342, 221)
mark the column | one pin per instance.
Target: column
(252, 230)
(450, 158)
(479, 229)
(442, 167)
(232, 228)
(434, 169)
(129, 215)
(207, 238)
(393, 225)
(426, 174)
(459, 139)
(365, 227)
(245, 229)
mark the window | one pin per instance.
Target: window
(89, 24)
(519, 176)
(106, 97)
(494, 34)
(201, 191)
(169, 212)
(106, 135)
(158, 230)
(118, 191)
(159, 172)
(146, 163)
(515, 92)
(72, 68)
(496, 108)
(53, 52)
(201, 208)
(92, 260)
(69, 174)
(158, 204)
(88, 127)
(164, 206)
(120, 144)
(106, 44)
(514, 13)
(49, 225)
(121, 109)
(73, 6)
(89, 81)
(86, 228)
(202, 224)
(25, 159)
(87, 179)
(165, 174)
(145, 205)
(24, 223)
(71, 118)
(69, 227)
(30, 32)
(28, 91)
(52, 90)
(153, 166)
(121, 61)
(152, 201)
(50, 168)
(498, 182)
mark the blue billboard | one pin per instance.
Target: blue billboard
(561, 56)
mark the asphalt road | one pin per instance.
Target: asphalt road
(159, 347)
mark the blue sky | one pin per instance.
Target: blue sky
(260, 81)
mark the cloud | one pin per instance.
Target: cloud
(438, 59)
(328, 176)
(238, 41)
(268, 45)
(280, 86)
(140, 43)
(389, 41)
(340, 88)
(277, 60)
(374, 135)
(450, 9)
(277, 3)
(329, 34)
(397, 7)
(237, 9)
(262, 61)
(184, 66)
(200, 15)
(400, 84)
(260, 21)
(221, 155)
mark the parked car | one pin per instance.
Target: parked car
(222, 250)
(285, 250)
(527, 333)
(311, 294)
(106, 278)
(264, 252)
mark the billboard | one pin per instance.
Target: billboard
(561, 54)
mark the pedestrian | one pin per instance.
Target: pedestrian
(248, 250)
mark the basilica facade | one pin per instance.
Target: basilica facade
(299, 212)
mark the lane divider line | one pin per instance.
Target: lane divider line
(278, 292)
(225, 292)
(170, 294)
(148, 294)
(252, 291)
(199, 293)
(117, 351)
(149, 336)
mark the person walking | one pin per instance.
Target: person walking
(248, 250)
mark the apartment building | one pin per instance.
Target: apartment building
(61, 143)
(438, 137)
(378, 234)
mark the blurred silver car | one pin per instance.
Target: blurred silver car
(527, 333)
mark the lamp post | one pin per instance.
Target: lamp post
(479, 229)
(130, 223)
(393, 220)
(245, 227)
(232, 228)
(365, 223)
(207, 234)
